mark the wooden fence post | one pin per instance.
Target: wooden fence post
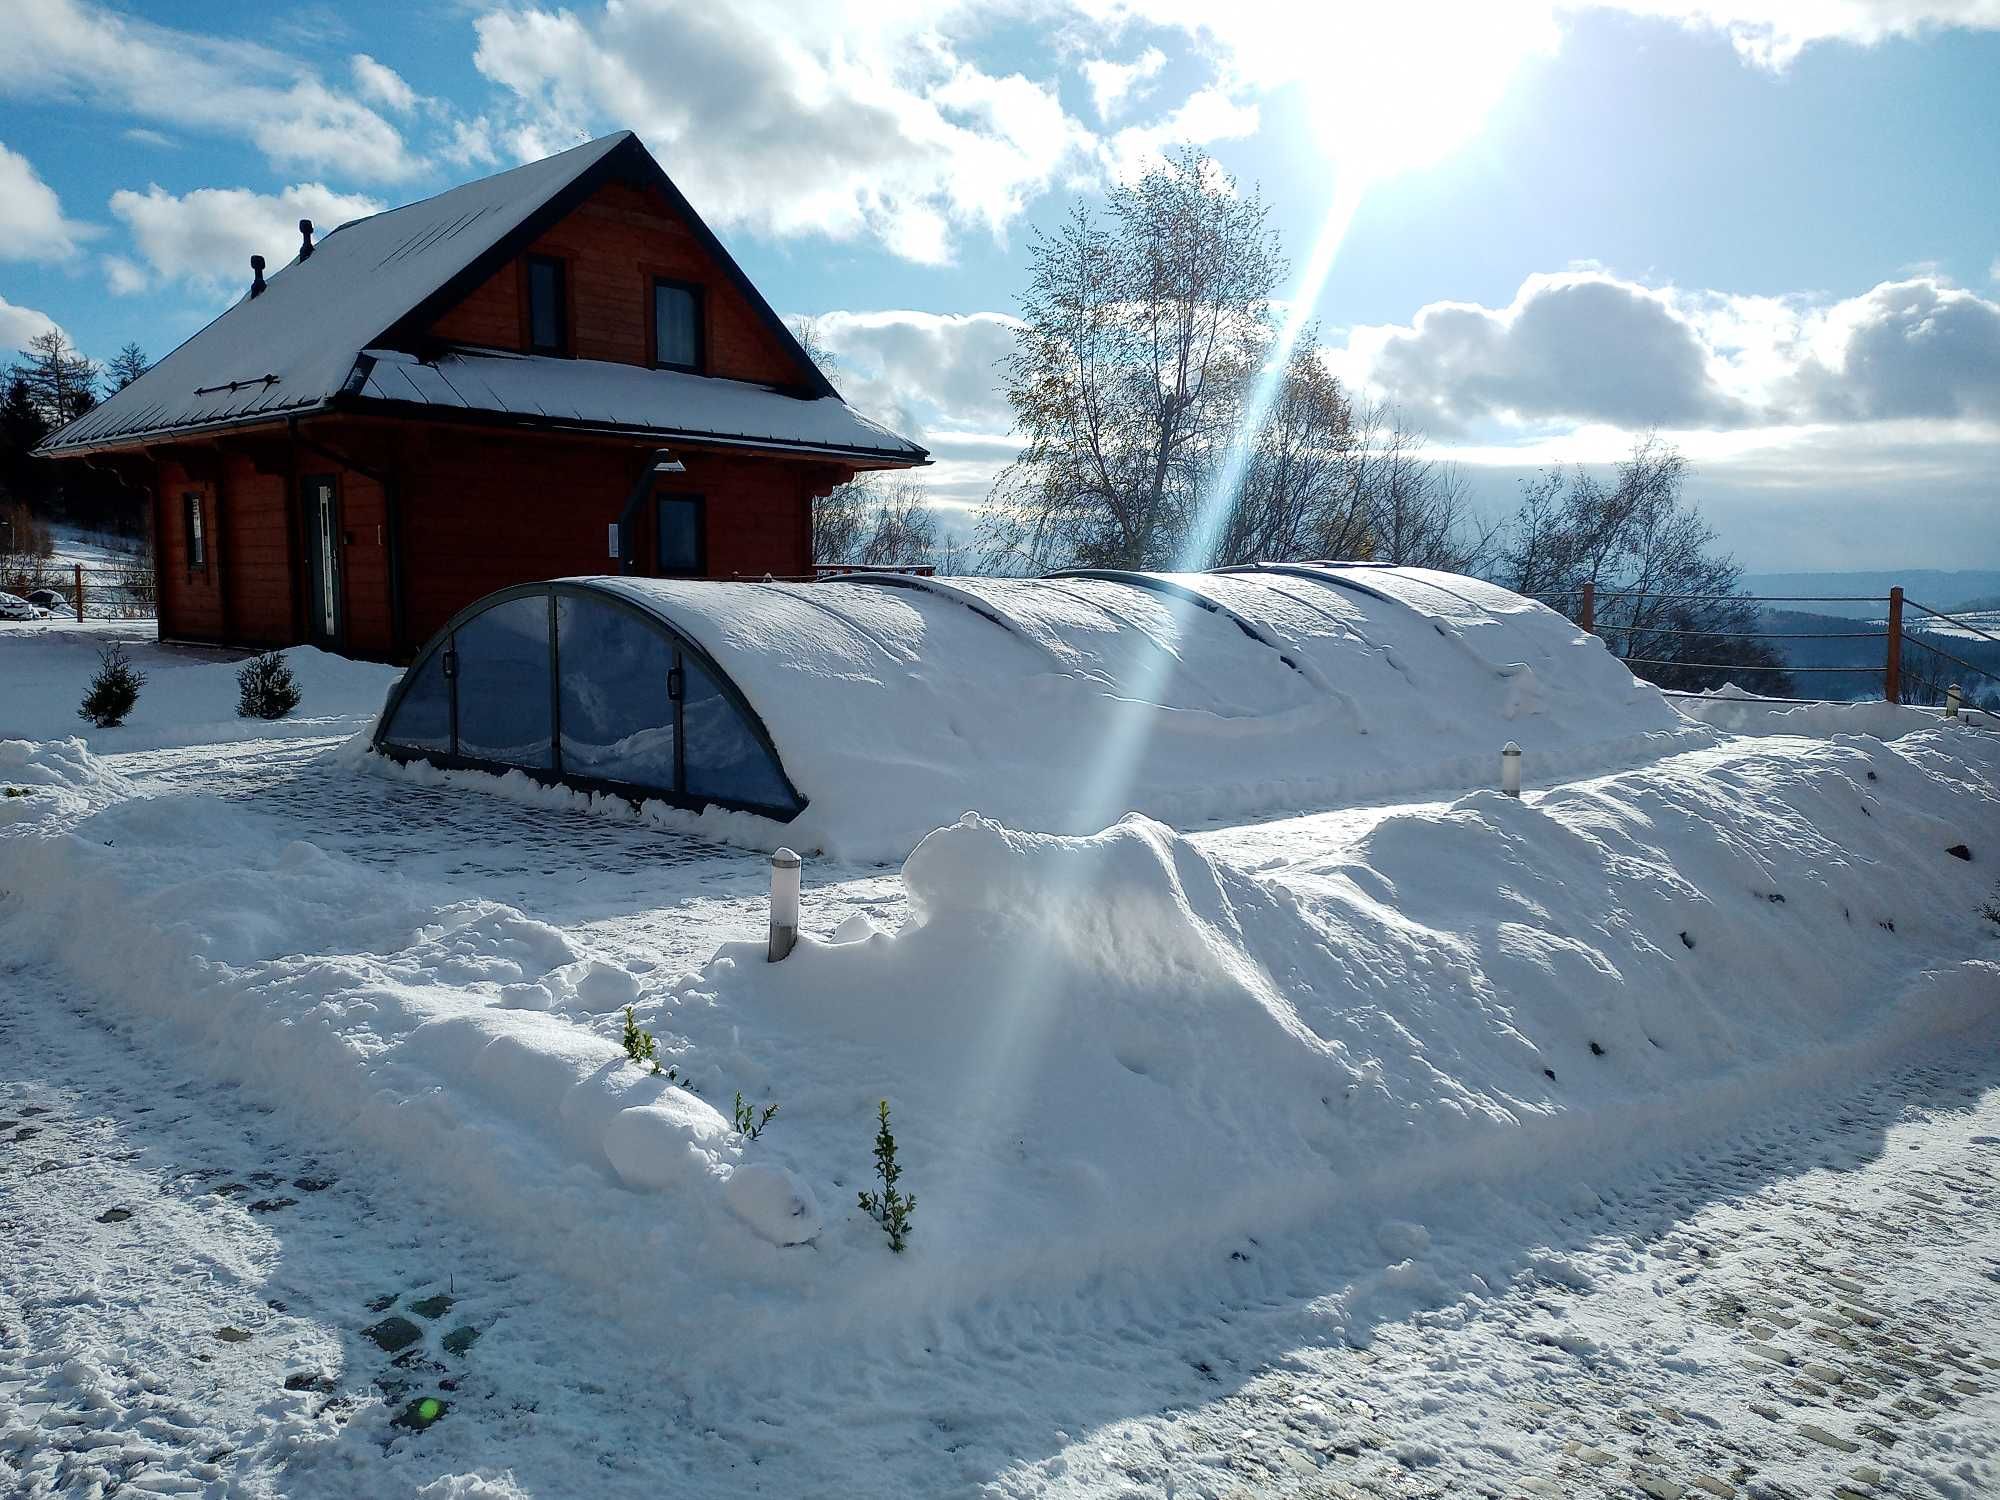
(1892, 666)
(1587, 615)
(79, 593)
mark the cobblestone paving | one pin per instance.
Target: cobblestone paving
(1813, 1311)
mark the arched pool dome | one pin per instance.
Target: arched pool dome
(578, 684)
(866, 711)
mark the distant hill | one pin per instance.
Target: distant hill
(1948, 590)
(1840, 666)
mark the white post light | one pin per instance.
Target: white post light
(1510, 769)
(1951, 701)
(784, 904)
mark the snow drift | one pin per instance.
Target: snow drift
(1102, 1051)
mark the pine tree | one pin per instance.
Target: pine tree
(62, 383)
(113, 691)
(126, 366)
(265, 688)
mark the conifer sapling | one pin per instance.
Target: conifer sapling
(113, 690)
(265, 688)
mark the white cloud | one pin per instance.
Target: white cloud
(1583, 347)
(68, 49)
(381, 84)
(141, 136)
(922, 372)
(19, 324)
(1772, 33)
(1208, 115)
(1112, 83)
(847, 121)
(205, 238)
(126, 277)
(935, 377)
(33, 226)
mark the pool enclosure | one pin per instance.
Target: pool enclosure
(571, 682)
(875, 707)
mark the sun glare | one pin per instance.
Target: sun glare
(1402, 85)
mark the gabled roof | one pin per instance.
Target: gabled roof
(377, 283)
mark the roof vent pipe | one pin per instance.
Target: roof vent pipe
(256, 275)
(306, 235)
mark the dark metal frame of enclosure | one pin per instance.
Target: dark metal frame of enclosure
(554, 775)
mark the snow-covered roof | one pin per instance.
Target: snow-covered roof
(316, 336)
(894, 703)
(604, 396)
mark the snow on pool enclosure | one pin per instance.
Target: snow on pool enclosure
(871, 709)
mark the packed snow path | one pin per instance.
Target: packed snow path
(195, 1304)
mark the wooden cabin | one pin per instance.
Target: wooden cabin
(554, 370)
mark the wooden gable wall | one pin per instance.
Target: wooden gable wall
(614, 244)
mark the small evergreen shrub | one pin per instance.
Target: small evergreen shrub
(889, 1208)
(639, 1045)
(749, 1123)
(113, 690)
(265, 688)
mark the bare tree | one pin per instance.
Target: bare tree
(1668, 602)
(900, 530)
(1418, 510)
(1296, 499)
(1139, 334)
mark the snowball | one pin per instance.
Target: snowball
(776, 1203)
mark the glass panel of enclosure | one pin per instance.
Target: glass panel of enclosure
(723, 756)
(423, 718)
(620, 722)
(503, 684)
(617, 717)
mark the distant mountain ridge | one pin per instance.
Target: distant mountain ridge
(1950, 590)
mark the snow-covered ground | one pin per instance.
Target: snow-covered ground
(1366, 1147)
(190, 693)
(1676, 1321)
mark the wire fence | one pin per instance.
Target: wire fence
(121, 591)
(1910, 666)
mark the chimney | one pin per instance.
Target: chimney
(306, 234)
(256, 275)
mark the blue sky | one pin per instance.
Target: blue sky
(1769, 229)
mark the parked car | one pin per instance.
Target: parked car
(48, 599)
(14, 607)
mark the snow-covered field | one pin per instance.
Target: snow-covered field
(1374, 1146)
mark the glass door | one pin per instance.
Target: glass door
(322, 534)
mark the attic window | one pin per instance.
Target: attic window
(548, 320)
(677, 325)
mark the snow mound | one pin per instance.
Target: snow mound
(40, 779)
(1109, 1053)
(1103, 1049)
(1735, 711)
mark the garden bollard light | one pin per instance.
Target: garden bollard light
(1510, 769)
(1951, 701)
(784, 904)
